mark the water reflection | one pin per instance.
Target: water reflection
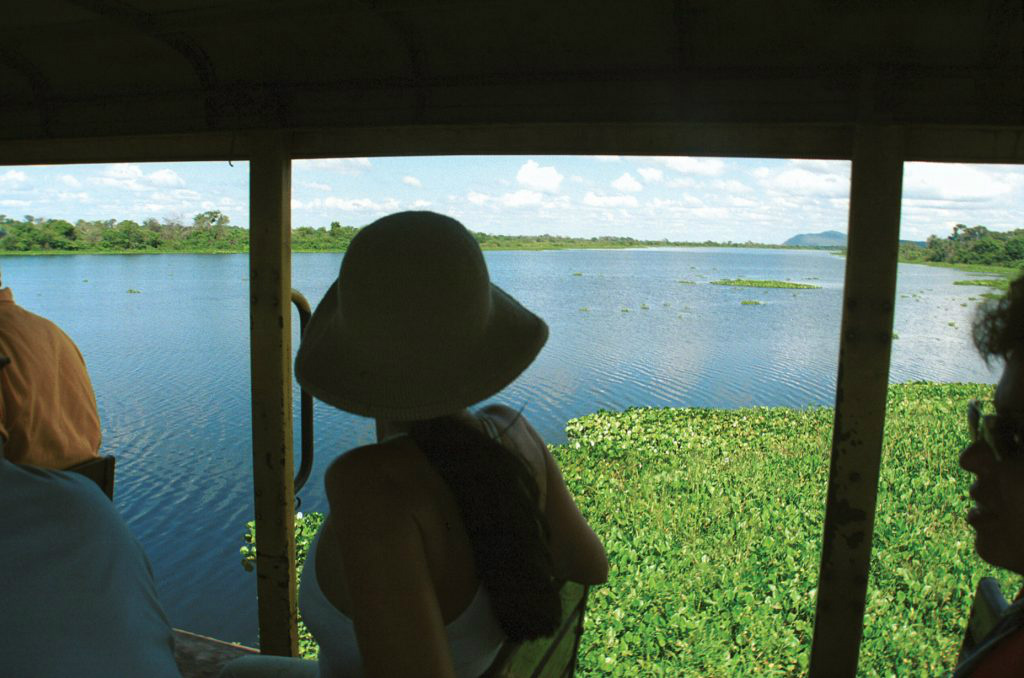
(170, 365)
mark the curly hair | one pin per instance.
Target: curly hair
(498, 499)
(998, 328)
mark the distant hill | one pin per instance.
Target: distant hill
(823, 239)
(833, 239)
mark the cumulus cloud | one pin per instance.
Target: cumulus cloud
(15, 203)
(522, 198)
(955, 182)
(627, 184)
(800, 181)
(703, 166)
(69, 180)
(732, 186)
(345, 204)
(650, 174)
(609, 200)
(165, 177)
(420, 204)
(412, 181)
(343, 165)
(12, 178)
(475, 198)
(606, 158)
(532, 175)
(67, 196)
(317, 186)
(129, 177)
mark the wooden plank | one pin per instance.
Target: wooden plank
(271, 359)
(200, 656)
(865, 341)
(925, 143)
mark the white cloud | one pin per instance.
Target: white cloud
(359, 204)
(15, 203)
(732, 186)
(956, 182)
(65, 196)
(609, 200)
(627, 184)
(129, 177)
(343, 165)
(420, 204)
(704, 166)
(12, 177)
(532, 175)
(317, 186)
(710, 212)
(476, 198)
(681, 182)
(650, 174)
(799, 181)
(606, 158)
(522, 198)
(165, 177)
(412, 181)
(71, 181)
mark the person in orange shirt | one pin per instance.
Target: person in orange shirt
(48, 415)
(996, 457)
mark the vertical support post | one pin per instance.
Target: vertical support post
(876, 187)
(271, 358)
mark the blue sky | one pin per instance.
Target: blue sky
(678, 198)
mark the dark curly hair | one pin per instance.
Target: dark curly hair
(998, 329)
(498, 500)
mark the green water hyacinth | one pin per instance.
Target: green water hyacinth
(780, 284)
(712, 520)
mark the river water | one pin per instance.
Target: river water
(166, 341)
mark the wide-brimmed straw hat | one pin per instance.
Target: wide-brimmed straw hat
(413, 328)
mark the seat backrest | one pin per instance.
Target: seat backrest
(988, 606)
(553, 657)
(100, 470)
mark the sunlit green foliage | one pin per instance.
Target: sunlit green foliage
(712, 520)
(971, 245)
(782, 284)
(306, 526)
(998, 283)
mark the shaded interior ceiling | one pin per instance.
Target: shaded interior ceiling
(84, 68)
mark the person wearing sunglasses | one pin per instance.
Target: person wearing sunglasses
(996, 457)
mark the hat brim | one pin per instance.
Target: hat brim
(370, 385)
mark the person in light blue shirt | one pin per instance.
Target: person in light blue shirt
(77, 596)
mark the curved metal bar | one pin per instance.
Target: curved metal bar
(306, 400)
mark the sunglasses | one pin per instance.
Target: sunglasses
(1004, 436)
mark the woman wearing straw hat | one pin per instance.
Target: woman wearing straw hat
(445, 537)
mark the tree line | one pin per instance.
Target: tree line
(209, 231)
(971, 245)
(212, 231)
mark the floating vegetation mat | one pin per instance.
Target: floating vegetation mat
(766, 283)
(998, 283)
(712, 520)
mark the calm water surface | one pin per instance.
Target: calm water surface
(170, 365)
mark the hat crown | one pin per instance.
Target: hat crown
(414, 282)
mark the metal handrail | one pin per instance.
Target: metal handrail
(306, 403)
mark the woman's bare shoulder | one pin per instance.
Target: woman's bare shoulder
(369, 477)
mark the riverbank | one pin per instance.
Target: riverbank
(581, 244)
(712, 521)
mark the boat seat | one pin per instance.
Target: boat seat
(553, 657)
(202, 657)
(988, 606)
(100, 470)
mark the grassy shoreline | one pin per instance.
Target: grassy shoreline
(712, 521)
